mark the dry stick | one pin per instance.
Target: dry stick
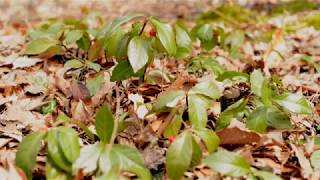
(166, 122)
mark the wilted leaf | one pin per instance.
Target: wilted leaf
(95, 50)
(236, 136)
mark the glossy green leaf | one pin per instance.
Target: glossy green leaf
(104, 123)
(197, 110)
(207, 88)
(256, 81)
(69, 143)
(73, 36)
(258, 120)
(182, 53)
(196, 153)
(89, 156)
(53, 173)
(278, 119)
(27, 152)
(111, 28)
(56, 153)
(166, 35)
(265, 175)
(122, 71)
(40, 45)
(204, 33)
(228, 163)
(84, 42)
(262, 117)
(209, 137)
(266, 93)
(174, 126)
(113, 42)
(182, 38)
(94, 66)
(94, 84)
(129, 159)
(74, 64)
(167, 100)
(122, 48)
(179, 155)
(294, 103)
(137, 53)
(315, 159)
(232, 111)
(233, 76)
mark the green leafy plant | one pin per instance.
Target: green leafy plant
(185, 151)
(107, 159)
(271, 105)
(234, 165)
(62, 150)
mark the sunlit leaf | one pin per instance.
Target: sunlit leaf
(138, 53)
(209, 137)
(166, 35)
(294, 103)
(179, 155)
(40, 45)
(74, 64)
(197, 110)
(164, 101)
(228, 163)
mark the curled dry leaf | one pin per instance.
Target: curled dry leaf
(236, 136)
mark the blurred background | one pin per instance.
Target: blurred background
(33, 10)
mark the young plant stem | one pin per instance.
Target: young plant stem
(116, 119)
(143, 26)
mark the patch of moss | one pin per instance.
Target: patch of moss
(294, 7)
(313, 21)
(228, 13)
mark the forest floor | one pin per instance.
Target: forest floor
(257, 90)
